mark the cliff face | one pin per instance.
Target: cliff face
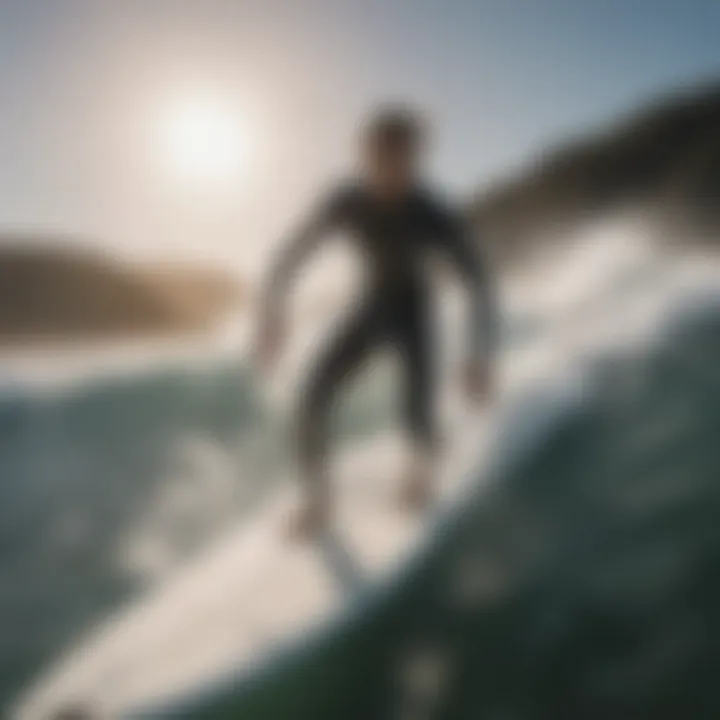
(666, 156)
(52, 294)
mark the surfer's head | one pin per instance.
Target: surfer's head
(392, 147)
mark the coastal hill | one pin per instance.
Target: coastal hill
(52, 292)
(664, 157)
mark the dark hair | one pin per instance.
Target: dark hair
(393, 129)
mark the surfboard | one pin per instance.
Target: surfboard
(252, 594)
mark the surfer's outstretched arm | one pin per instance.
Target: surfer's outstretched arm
(459, 246)
(302, 243)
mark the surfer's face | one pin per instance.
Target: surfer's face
(391, 171)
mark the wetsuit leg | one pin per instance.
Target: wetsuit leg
(413, 337)
(343, 357)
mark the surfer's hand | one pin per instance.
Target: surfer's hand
(478, 381)
(270, 341)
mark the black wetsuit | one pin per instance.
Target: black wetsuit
(396, 240)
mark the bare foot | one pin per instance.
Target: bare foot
(308, 521)
(417, 497)
(418, 491)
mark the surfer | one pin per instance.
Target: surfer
(397, 224)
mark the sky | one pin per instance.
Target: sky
(88, 89)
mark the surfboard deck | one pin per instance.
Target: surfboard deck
(250, 594)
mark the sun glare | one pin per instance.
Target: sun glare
(205, 142)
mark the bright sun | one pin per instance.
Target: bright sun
(205, 142)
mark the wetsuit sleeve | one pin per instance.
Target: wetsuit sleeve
(456, 242)
(306, 238)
